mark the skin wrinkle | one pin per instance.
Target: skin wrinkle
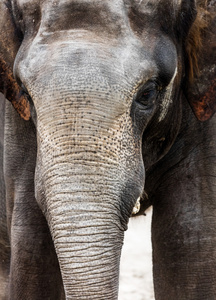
(167, 98)
(174, 166)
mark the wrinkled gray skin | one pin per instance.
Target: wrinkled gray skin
(74, 171)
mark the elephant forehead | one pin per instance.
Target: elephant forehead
(91, 15)
(101, 16)
(98, 16)
(64, 57)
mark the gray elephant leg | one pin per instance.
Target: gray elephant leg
(184, 236)
(34, 269)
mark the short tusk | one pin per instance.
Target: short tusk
(136, 208)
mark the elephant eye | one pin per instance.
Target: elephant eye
(24, 89)
(147, 95)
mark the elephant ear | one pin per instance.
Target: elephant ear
(9, 45)
(201, 61)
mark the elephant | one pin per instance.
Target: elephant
(107, 108)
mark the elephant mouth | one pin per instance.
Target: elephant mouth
(141, 205)
(136, 208)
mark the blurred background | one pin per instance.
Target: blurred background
(136, 281)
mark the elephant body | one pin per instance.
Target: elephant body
(104, 91)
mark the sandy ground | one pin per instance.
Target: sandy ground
(136, 261)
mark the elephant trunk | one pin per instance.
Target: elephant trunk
(88, 248)
(89, 175)
(87, 231)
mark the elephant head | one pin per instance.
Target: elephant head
(100, 82)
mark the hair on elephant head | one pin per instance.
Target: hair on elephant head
(104, 91)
